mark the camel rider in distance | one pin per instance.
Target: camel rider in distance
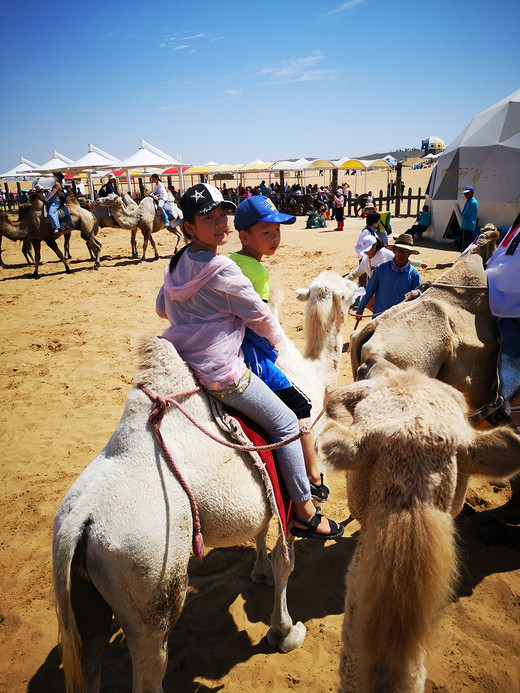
(161, 196)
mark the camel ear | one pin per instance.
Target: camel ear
(340, 446)
(344, 399)
(493, 453)
(302, 294)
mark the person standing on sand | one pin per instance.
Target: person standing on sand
(338, 203)
(469, 216)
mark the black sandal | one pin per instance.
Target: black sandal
(321, 492)
(336, 530)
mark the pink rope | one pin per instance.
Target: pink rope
(171, 400)
(160, 405)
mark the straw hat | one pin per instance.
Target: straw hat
(405, 240)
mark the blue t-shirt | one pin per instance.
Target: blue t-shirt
(469, 215)
(389, 286)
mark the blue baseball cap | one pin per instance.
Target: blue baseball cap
(468, 189)
(259, 208)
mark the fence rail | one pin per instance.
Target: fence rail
(408, 204)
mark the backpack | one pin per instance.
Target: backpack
(103, 191)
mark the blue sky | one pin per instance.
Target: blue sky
(236, 81)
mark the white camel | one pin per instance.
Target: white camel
(123, 532)
(146, 216)
(408, 449)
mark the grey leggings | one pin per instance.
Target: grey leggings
(263, 407)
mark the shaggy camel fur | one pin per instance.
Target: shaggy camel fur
(146, 217)
(35, 227)
(407, 454)
(448, 334)
(85, 220)
(123, 533)
(106, 220)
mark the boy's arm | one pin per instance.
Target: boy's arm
(418, 264)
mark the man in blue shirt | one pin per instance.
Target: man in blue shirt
(422, 222)
(469, 216)
(391, 280)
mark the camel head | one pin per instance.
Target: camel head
(486, 242)
(37, 199)
(111, 200)
(328, 297)
(400, 427)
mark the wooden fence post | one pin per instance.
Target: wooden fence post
(398, 170)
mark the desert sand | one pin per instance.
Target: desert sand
(67, 365)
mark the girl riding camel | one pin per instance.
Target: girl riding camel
(209, 303)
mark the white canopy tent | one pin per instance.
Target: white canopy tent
(22, 171)
(302, 165)
(56, 163)
(94, 159)
(149, 157)
(486, 155)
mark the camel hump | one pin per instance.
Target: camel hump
(158, 364)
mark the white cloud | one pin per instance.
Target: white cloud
(172, 107)
(230, 94)
(298, 70)
(180, 48)
(345, 6)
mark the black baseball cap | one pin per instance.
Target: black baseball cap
(202, 199)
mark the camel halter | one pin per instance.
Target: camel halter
(160, 405)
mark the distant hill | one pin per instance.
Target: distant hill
(399, 154)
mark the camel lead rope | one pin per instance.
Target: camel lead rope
(160, 405)
(159, 408)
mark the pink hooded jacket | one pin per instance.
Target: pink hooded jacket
(209, 303)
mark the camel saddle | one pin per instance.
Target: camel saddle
(247, 432)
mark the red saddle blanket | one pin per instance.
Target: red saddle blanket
(257, 438)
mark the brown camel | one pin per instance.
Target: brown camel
(106, 220)
(35, 227)
(145, 217)
(408, 450)
(84, 220)
(447, 333)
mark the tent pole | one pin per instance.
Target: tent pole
(181, 176)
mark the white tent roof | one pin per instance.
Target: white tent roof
(486, 155)
(302, 164)
(148, 156)
(95, 158)
(22, 170)
(57, 162)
